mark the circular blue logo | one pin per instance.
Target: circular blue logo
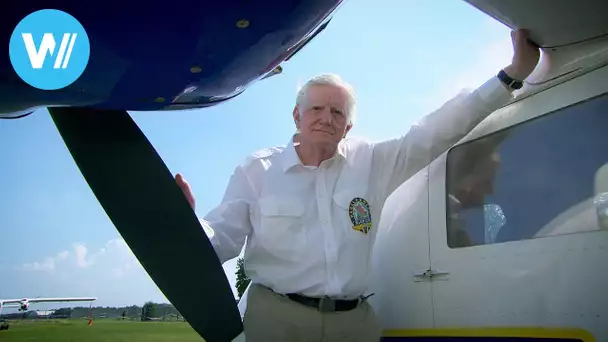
(49, 49)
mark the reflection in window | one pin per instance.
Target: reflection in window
(601, 197)
(494, 220)
(545, 177)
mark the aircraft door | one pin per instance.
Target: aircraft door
(518, 219)
(402, 294)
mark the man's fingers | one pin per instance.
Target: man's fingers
(521, 37)
(183, 184)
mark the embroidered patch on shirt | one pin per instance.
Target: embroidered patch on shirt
(360, 215)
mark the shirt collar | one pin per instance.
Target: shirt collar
(290, 158)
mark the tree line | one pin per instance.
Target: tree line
(149, 311)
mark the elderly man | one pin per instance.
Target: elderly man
(309, 210)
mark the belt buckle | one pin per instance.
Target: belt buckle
(327, 304)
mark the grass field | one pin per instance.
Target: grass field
(102, 330)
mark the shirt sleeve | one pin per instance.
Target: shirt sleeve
(396, 160)
(228, 225)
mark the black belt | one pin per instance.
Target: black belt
(325, 304)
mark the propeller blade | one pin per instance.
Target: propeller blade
(141, 197)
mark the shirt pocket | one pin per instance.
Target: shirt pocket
(352, 211)
(282, 231)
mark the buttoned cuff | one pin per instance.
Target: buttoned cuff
(206, 228)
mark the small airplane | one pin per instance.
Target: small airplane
(24, 303)
(523, 259)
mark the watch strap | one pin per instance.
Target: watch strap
(508, 81)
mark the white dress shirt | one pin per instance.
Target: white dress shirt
(296, 219)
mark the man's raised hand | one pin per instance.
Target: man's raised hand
(183, 184)
(525, 55)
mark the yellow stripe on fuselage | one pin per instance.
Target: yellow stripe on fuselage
(513, 332)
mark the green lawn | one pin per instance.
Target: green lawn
(102, 330)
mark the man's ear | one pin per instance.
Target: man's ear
(296, 116)
(348, 127)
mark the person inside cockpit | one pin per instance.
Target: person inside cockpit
(471, 171)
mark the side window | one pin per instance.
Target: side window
(544, 177)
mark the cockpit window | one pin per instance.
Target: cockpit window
(544, 177)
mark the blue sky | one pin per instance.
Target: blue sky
(404, 60)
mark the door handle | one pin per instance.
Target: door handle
(421, 276)
(430, 275)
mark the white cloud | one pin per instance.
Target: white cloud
(81, 255)
(82, 252)
(121, 271)
(124, 259)
(48, 264)
(115, 254)
(63, 255)
(110, 271)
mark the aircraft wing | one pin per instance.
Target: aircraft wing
(46, 300)
(66, 299)
(3, 302)
(210, 52)
(552, 23)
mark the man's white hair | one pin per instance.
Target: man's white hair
(332, 80)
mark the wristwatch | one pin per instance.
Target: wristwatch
(508, 81)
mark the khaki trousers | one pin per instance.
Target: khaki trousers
(271, 317)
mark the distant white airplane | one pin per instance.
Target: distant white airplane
(24, 303)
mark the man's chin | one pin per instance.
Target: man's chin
(325, 140)
(322, 136)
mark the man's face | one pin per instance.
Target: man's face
(324, 115)
(479, 183)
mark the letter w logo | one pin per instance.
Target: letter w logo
(48, 44)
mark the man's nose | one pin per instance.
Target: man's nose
(326, 116)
